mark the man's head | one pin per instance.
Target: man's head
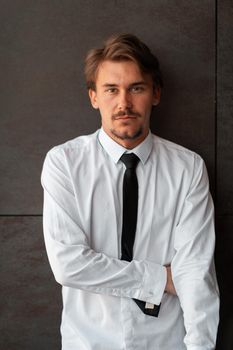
(123, 47)
(124, 82)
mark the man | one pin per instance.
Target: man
(131, 245)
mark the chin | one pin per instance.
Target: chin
(127, 134)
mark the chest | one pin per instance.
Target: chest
(99, 201)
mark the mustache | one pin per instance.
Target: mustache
(127, 111)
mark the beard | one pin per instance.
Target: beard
(125, 135)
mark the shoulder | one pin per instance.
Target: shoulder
(170, 146)
(179, 163)
(79, 143)
(72, 152)
(173, 151)
(176, 158)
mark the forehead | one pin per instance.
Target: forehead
(120, 72)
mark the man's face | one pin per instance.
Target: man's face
(124, 95)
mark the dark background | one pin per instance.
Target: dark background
(43, 102)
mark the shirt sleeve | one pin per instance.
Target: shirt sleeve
(193, 265)
(74, 263)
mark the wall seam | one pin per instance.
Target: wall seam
(19, 215)
(216, 103)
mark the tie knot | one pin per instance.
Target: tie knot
(130, 160)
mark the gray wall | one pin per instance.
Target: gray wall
(44, 102)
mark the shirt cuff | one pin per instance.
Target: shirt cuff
(196, 347)
(154, 283)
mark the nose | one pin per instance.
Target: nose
(124, 100)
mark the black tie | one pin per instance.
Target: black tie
(130, 211)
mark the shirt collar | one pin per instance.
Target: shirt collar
(115, 151)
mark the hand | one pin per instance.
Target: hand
(170, 288)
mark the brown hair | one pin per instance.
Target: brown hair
(123, 47)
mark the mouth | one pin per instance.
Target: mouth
(125, 117)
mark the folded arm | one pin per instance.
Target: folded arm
(73, 261)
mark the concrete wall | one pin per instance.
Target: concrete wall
(44, 102)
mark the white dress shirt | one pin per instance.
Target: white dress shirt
(82, 181)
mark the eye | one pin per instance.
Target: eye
(111, 91)
(137, 89)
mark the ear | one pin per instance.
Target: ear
(156, 97)
(93, 98)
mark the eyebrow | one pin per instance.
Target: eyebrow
(130, 85)
(109, 85)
